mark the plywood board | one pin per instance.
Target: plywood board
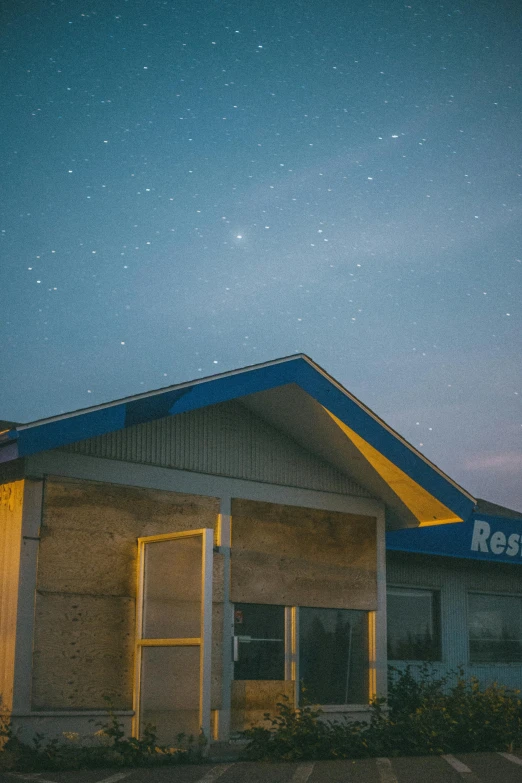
(300, 556)
(252, 699)
(89, 532)
(87, 577)
(99, 507)
(83, 652)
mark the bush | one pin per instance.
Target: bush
(300, 734)
(423, 715)
(449, 714)
(109, 747)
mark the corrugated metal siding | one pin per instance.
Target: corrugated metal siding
(455, 579)
(225, 440)
(11, 496)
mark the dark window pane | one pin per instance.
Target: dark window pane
(260, 632)
(495, 629)
(413, 625)
(333, 655)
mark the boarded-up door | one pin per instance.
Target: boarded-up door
(173, 640)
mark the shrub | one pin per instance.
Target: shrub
(300, 734)
(109, 747)
(423, 715)
(449, 714)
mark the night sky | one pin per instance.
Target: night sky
(192, 186)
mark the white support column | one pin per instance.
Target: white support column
(224, 543)
(31, 520)
(206, 631)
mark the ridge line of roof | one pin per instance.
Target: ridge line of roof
(11, 435)
(155, 392)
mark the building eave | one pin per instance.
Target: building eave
(382, 447)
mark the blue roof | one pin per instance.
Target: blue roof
(59, 431)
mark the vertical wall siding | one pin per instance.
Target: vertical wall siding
(455, 579)
(225, 440)
(10, 541)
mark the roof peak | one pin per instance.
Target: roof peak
(162, 390)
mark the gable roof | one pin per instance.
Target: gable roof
(300, 398)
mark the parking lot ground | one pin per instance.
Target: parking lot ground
(427, 769)
(493, 766)
(468, 767)
(360, 771)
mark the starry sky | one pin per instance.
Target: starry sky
(191, 186)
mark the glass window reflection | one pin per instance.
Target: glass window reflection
(333, 655)
(495, 628)
(413, 624)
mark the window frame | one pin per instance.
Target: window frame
(291, 656)
(436, 591)
(493, 594)
(370, 660)
(237, 637)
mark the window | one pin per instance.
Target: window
(333, 655)
(495, 628)
(328, 656)
(413, 624)
(259, 642)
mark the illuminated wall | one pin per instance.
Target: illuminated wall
(11, 501)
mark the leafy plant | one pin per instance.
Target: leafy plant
(451, 714)
(423, 715)
(109, 747)
(299, 734)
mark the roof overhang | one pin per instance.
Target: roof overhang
(299, 398)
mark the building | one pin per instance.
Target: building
(455, 596)
(193, 553)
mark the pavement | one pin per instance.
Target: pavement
(468, 767)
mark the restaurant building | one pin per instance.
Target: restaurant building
(195, 553)
(455, 597)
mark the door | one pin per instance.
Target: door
(173, 635)
(264, 672)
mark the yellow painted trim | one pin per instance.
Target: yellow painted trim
(140, 642)
(135, 728)
(450, 521)
(372, 656)
(168, 536)
(11, 514)
(214, 724)
(424, 506)
(293, 642)
(189, 642)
